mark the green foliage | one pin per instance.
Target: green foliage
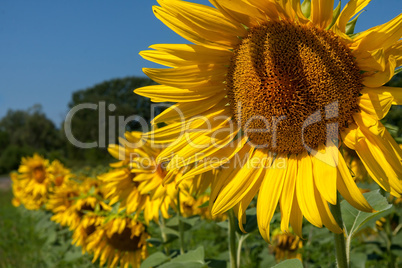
(116, 107)
(25, 132)
(295, 263)
(355, 219)
(10, 157)
(30, 239)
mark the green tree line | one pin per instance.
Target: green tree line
(23, 132)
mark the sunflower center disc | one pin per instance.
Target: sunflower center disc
(286, 83)
(123, 241)
(39, 174)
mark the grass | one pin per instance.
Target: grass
(30, 239)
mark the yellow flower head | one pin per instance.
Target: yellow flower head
(34, 180)
(58, 173)
(136, 180)
(73, 199)
(268, 92)
(119, 240)
(286, 246)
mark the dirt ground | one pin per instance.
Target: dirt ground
(5, 183)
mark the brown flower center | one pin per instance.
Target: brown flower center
(124, 241)
(39, 174)
(286, 83)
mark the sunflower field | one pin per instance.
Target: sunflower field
(281, 146)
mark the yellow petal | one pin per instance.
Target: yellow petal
(243, 204)
(380, 78)
(305, 191)
(176, 55)
(325, 173)
(189, 77)
(395, 51)
(240, 12)
(376, 105)
(385, 92)
(268, 197)
(286, 199)
(348, 188)
(382, 36)
(326, 215)
(241, 184)
(202, 147)
(296, 217)
(186, 110)
(291, 9)
(198, 23)
(377, 135)
(218, 159)
(321, 12)
(349, 11)
(270, 8)
(372, 60)
(225, 175)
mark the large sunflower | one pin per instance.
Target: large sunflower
(280, 85)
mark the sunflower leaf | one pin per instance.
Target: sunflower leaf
(294, 263)
(306, 8)
(336, 13)
(191, 259)
(355, 219)
(154, 259)
(350, 26)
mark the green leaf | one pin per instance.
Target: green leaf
(354, 219)
(306, 8)
(190, 221)
(168, 230)
(293, 263)
(215, 263)
(191, 259)
(205, 204)
(358, 260)
(251, 220)
(335, 15)
(72, 256)
(155, 241)
(154, 260)
(350, 26)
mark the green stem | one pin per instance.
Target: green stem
(181, 226)
(164, 236)
(242, 238)
(232, 239)
(342, 254)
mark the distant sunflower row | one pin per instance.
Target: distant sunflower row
(109, 213)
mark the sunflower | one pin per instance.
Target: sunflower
(136, 180)
(272, 89)
(286, 246)
(73, 199)
(120, 239)
(34, 179)
(58, 173)
(87, 226)
(17, 189)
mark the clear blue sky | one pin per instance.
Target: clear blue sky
(51, 48)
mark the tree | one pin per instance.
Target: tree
(24, 132)
(97, 111)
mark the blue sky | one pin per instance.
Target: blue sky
(51, 48)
